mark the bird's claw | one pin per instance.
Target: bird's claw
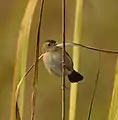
(64, 87)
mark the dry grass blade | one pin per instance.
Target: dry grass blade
(20, 82)
(21, 57)
(95, 88)
(113, 110)
(35, 81)
(89, 47)
(77, 34)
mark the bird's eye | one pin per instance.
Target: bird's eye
(49, 44)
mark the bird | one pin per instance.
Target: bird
(52, 59)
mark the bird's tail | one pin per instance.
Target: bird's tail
(75, 77)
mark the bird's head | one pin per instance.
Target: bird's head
(49, 45)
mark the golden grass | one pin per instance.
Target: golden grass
(113, 111)
(77, 34)
(35, 80)
(21, 57)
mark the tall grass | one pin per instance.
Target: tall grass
(77, 34)
(35, 81)
(21, 57)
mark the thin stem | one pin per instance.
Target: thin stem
(95, 88)
(63, 60)
(90, 48)
(20, 82)
(35, 82)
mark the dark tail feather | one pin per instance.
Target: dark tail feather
(75, 77)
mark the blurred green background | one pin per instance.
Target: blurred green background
(99, 29)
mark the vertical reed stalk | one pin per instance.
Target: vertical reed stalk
(113, 111)
(21, 57)
(77, 34)
(63, 59)
(35, 82)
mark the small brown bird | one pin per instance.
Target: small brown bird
(52, 59)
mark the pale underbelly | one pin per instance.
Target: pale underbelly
(53, 63)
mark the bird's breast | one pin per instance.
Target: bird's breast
(52, 61)
(52, 58)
